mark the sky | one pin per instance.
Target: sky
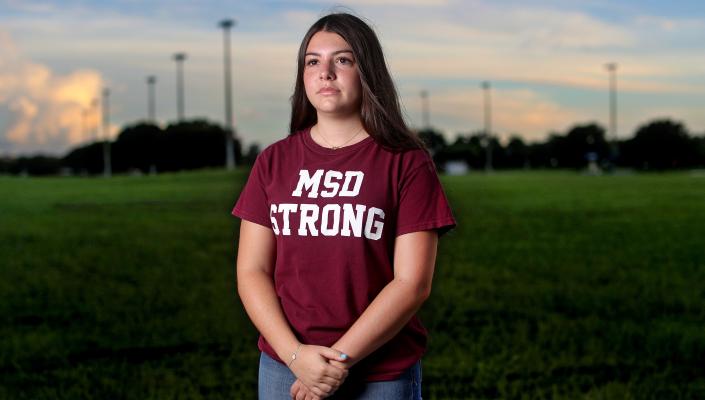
(545, 61)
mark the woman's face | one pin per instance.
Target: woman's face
(331, 78)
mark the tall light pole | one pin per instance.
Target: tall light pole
(95, 117)
(151, 100)
(107, 170)
(425, 118)
(226, 24)
(85, 115)
(179, 58)
(488, 126)
(612, 69)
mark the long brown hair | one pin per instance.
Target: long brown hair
(379, 109)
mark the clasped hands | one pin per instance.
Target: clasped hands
(319, 371)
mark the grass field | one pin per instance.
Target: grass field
(554, 285)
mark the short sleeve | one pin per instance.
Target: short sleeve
(252, 205)
(422, 202)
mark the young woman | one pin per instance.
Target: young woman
(340, 222)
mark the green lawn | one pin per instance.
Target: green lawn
(554, 285)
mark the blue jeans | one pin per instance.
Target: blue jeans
(275, 380)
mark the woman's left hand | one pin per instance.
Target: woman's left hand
(299, 391)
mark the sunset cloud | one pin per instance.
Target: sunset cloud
(46, 109)
(513, 111)
(546, 62)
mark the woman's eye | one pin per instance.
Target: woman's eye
(344, 60)
(312, 62)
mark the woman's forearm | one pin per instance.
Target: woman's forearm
(393, 307)
(256, 290)
(311, 365)
(382, 320)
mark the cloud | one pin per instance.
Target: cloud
(568, 30)
(28, 6)
(514, 111)
(555, 52)
(47, 111)
(536, 45)
(527, 112)
(397, 3)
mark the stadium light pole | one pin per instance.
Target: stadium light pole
(612, 69)
(230, 161)
(425, 114)
(488, 125)
(179, 58)
(107, 170)
(85, 115)
(95, 117)
(151, 99)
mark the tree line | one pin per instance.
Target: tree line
(656, 146)
(144, 147)
(141, 148)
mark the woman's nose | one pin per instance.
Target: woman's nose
(328, 71)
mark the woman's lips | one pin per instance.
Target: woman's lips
(328, 90)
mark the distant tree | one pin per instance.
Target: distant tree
(5, 165)
(36, 165)
(471, 148)
(87, 159)
(462, 149)
(433, 139)
(457, 151)
(138, 147)
(499, 159)
(543, 154)
(571, 150)
(194, 144)
(184, 145)
(659, 145)
(252, 153)
(699, 146)
(516, 153)
(237, 149)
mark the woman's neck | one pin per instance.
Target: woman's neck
(338, 131)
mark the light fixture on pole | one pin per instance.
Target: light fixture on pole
(612, 69)
(94, 119)
(488, 125)
(179, 58)
(425, 118)
(107, 169)
(85, 115)
(151, 99)
(230, 161)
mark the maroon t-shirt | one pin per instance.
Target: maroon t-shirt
(335, 215)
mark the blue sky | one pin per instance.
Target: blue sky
(545, 60)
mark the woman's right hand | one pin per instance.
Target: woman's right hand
(313, 369)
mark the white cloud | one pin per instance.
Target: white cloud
(545, 28)
(388, 3)
(669, 25)
(45, 109)
(29, 6)
(513, 111)
(551, 50)
(538, 45)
